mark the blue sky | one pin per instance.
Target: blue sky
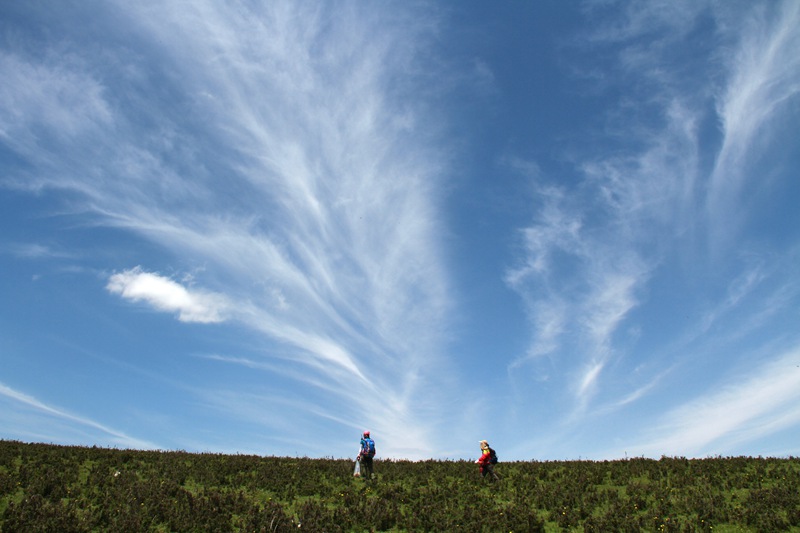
(570, 228)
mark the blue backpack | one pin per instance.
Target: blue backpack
(368, 447)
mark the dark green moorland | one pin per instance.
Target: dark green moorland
(63, 489)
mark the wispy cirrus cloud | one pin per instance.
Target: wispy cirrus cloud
(286, 155)
(37, 251)
(51, 415)
(590, 252)
(578, 287)
(763, 83)
(52, 97)
(744, 409)
(648, 193)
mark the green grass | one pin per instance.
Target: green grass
(58, 488)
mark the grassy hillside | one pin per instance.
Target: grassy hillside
(59, 488)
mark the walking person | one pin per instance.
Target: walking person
(365, 456)
(487, 461)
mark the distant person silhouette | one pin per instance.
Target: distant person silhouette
(365, 456)
(487, 461)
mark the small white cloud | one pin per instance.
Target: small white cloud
(165, 294)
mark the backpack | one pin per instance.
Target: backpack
(369, 446)
(493, 456)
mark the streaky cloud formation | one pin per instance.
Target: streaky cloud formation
(594, 254)
(26, 407)
(307, 186)
(745, 410)
(570, 229)
(763, 84)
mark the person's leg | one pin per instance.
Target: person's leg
(366, 464)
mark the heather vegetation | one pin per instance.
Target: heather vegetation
(58, 488)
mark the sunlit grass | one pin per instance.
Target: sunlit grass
(58, 488)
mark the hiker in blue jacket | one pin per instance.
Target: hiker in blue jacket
(365, 456)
